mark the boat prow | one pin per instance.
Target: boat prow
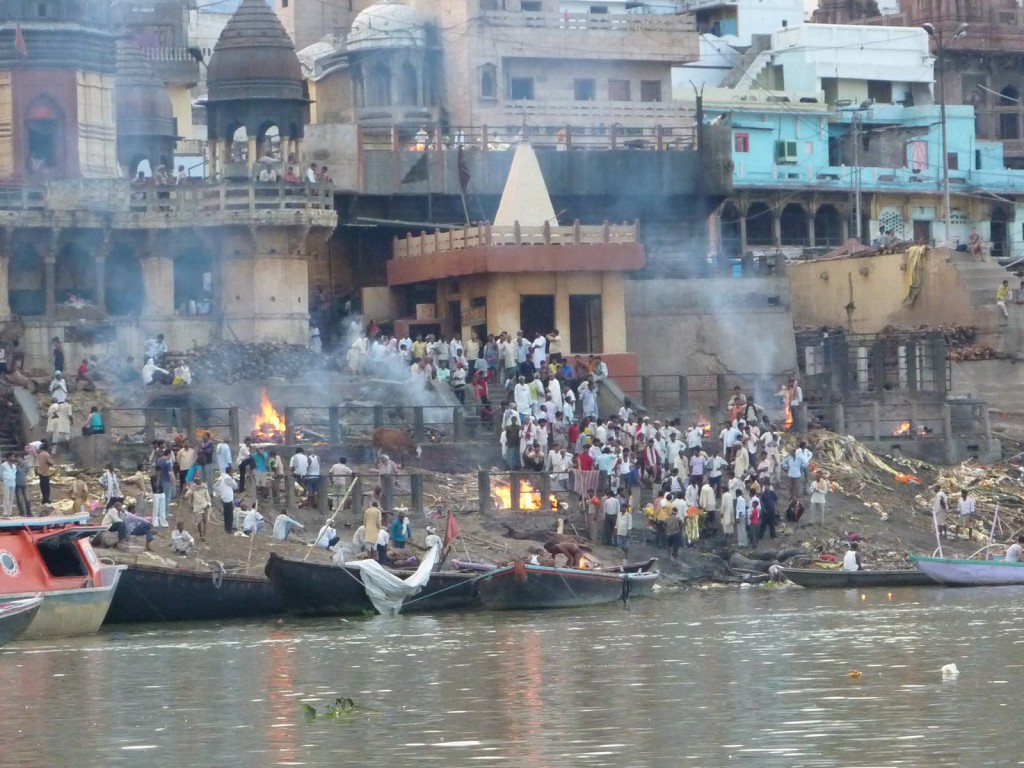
(15, 617)
(954, 572)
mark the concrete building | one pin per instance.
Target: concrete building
(92, 258)
(523, 272)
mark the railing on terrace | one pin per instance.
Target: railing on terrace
(646, 23)
(628, 133)
(118, 195)
(175, 53)
(487, 234)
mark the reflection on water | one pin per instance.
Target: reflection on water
(697, 678)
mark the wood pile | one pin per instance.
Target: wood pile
(227, 362)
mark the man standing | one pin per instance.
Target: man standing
(966, 508)
(769, 511)
(44, 468)
(373, 522)
(341, 475)
(8, 479)
(674, 532)
(623, 525)
(611, 508)
(199, 495)
(245, 462)
(299, 466)
(186, 458)
(313, 479)
(226, 487)
(940, 506)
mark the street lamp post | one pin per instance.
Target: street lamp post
(940, 47)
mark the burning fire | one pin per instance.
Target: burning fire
(705, 427)
(902, 429)
(905, 428)
(268, 424)
(529, 497)
(787, 423)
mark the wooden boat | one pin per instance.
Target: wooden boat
(15, 616)
(970, 573)
(640, 566)
(156, 594)
(837, 578)
(323, 589)
(525, 587)
(52, 557)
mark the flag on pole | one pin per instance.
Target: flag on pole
(464, 175)
(451, 530)
(418, 172)
(19, 42)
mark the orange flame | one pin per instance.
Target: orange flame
(787, 423)
(529, 497)
(268, 422)
(902, 429)
(705, 427)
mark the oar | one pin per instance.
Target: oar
(340, 507)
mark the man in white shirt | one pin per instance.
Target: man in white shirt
(225, 488)
(299, 466)
(341, 475)
(940, 506)
(313, 478)
(253, 522)
(1015, 551)
(182, 542)
(966, 508)
(283, 525)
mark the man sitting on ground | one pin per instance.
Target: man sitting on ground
(182, 542)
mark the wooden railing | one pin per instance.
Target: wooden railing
(487, 234)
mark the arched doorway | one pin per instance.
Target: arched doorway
(409, 88)
(26, 281)
(125, 289)
(759, 225)
(193, 282)
(45, 132)
(999, 233)
(75, 274)
(794, 225)
(1009, 121)
(378, 87)
(731, 246)
(828, 226)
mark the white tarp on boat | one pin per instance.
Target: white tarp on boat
(386, 591)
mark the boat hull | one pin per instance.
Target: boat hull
(16, 616)
(149, 594)
(534, 587)
(970, 573)
(817, 578)
(319, 589)
(72, 612)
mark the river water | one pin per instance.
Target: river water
(715, 677)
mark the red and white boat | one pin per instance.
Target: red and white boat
(52, 557)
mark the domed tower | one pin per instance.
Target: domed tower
(57, 117)
(145, 117)
(255, 85)
(393, 65)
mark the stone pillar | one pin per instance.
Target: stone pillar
(743, 237)
(251, 154)
(211, 158)
(5, 305)
(158, 284)
(776, 229)
(810, 229)
(483, 483)
(844, 228)
(50, 286)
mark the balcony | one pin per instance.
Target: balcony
(175, 65)
(616, 37)
(119, 204)
(841, 178)
(486, 249)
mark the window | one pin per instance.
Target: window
(599, 9)
(785, 152)
(45, 128)
(521, 89)
(42, 10)
(880, 91)
(977, 159)
(531, 6)
(650, 90)
(618, 90)
(953, 161)
(741, 142)
(284, 3)
(585, 326)
(488, 81)
(584, 90)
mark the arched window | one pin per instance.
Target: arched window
(378, 87)
(44, 130)
(409, 94)
(488, 81)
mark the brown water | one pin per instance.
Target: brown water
(712, 677)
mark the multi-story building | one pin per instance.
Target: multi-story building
(981, 68)
(93, 256)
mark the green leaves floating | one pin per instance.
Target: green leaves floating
(341, 708)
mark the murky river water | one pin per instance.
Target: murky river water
(703, 678)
